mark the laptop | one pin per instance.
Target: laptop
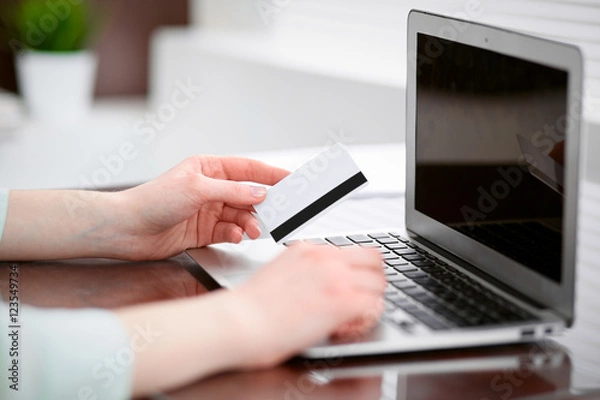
(487, 255)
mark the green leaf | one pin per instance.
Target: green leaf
(39, 27)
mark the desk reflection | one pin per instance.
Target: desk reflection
(102, 283)
(536, 369)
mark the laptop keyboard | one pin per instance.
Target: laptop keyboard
(429, 289)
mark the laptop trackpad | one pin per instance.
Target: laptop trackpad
(232, 264)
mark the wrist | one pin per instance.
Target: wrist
(259, 349)
(105, 216)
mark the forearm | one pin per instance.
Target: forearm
(193, 338)
(60, 224)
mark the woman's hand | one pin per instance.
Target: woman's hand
(307, 294)
(196, 203)
(303, 296)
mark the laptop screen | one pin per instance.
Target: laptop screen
(490, 149)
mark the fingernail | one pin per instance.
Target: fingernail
(259, 191)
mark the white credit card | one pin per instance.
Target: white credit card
(308, 191)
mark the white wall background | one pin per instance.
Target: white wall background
(292, 70)
(379, 26)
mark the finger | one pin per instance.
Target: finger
(230, 191)
(245, 169)
(370, 280)
(247, 207)
(227, 232)
(364, 306)
(361, 324)
(243, 219)
(362, 257)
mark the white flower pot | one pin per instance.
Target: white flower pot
(57, 87)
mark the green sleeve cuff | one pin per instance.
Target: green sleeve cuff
(67, 354)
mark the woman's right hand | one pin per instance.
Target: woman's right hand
(307, 294)
(304, 295)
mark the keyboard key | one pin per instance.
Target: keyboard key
(396, 263)
(415, 274)
(339, 241)
(387, 240)
(391, 257)
(431, 269)
(404, 252)
(409, 307)
(401, 302)
(422, 264)
(371, 245)
(360, 238)
(396, 246)
(431, 321)
(378, 235)
(426, 281)
(291, 242)
(396, 278)
(396, 235)
(407, 326)
(413, 291)
(388, 306)
(413, 257)
(316, 241)
(390, 289)
(434, 323)
(404, 284)
(405, 268)
(398, 319)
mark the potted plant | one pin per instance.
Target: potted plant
(56, 71)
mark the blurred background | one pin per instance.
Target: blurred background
(117, 91)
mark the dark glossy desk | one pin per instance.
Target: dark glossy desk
(566, 368)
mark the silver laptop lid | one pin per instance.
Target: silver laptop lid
(479, 99)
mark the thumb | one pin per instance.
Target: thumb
(232, 192)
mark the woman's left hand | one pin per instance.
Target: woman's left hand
(199, 202)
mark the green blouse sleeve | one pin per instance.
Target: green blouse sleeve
(60, 353)
(64, 354)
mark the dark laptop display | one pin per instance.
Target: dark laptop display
(490, 149)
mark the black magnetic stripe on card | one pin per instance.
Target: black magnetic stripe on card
(318, 205)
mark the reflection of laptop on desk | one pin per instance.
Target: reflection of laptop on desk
(469, 88)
